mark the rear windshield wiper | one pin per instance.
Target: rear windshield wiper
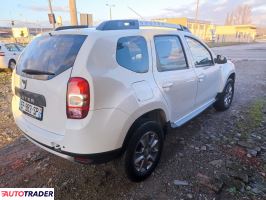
(36, 72)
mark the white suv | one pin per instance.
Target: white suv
(93, 94)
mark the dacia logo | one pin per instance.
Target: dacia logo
(24, 83)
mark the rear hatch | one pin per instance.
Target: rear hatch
(41, 78)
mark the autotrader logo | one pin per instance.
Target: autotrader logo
(27, 193)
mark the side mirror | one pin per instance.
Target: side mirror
(220, 59)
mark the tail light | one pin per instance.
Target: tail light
(78, 98)
(2, 53)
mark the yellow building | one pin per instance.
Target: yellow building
(235, 33)
(20, 32)
(209, 32)
(201, 28)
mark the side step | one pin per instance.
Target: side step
(191, 115)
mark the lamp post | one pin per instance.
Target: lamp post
(110, 9)
(196, 17)
(197, 10)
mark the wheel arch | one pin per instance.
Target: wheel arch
(227, 71)
(232, 76)
(12, 59)
(158, 115)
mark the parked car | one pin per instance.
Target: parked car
(93, 94)
(9, 53)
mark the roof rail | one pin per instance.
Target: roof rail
(136, 24)
(160, 24)
(70, 27)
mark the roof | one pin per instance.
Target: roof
(129, 24)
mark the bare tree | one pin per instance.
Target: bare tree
(240, 15)
(229, 19)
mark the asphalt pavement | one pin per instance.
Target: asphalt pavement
(246, 52)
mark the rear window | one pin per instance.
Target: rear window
(11, 47)
(53, 54)
(132, 54)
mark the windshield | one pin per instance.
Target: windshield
(50, 53)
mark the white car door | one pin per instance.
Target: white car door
(208, 73)
(176, 80)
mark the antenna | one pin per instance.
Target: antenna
(135, 12)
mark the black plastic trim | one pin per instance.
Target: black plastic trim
(30, 97)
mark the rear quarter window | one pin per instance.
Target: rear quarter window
(132, 54)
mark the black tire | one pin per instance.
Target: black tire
(151, 157)
(225, 99)
(11, 64)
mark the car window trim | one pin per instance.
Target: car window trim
(206, 65)
(185, 54)
(148, 69)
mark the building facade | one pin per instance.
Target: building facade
(235, 33)
(201, 28)
(218, 33)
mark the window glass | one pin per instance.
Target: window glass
(20, 47)
(54, 54)
(132, 53)
(200, 54)
(11, 47)
(170, 54)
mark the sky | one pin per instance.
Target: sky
(35, 11)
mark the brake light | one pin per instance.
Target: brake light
(78, 98)
(2, 53)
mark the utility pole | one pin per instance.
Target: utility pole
(110, 9)
(73, 12)
(196, 18)
(197, 11)
(51, 11)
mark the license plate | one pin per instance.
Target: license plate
(31, 110)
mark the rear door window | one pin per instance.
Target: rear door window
(132, 54)
(50, 53)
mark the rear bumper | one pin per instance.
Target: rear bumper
(97, 158)
(99, 137)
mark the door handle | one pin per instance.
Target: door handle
(201, 77)
(167, 85)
